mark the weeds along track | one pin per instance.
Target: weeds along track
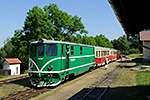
(26, 94)
(98, 89)
(13, 79)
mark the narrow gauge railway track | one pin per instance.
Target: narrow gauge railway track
(98, 90)
(26, 94)
(12, 80)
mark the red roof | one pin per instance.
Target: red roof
(13, 60)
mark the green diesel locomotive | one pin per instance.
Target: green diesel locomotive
(52, 62)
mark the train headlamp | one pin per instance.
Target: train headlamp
(40, 40)
(50, 68)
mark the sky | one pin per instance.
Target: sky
(97, 16)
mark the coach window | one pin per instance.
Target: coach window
(33, 50)
(41, 50)
(51, 50)
(99, 53)
(72, 50)
(96, 53)
(80, 50)
(102, 53)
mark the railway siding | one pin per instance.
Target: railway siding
(2, 82)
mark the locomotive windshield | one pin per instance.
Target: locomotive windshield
(33, 50)
(51, 50)
(41, 50)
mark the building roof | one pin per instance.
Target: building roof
(13, 60)
(133, 15)
(145, 35)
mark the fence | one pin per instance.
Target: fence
(5, 72)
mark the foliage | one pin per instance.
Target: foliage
(6, 51)
(134, 50)
(99, 40)
(125, 47)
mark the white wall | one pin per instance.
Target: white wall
(146, 52)
(14, 69)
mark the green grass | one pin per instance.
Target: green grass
(143, 78)
(136, 56)
(132, 85)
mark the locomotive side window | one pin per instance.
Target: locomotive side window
(51, 50)
(41, 50)
(62, 49)
(72, 50)
(80, 50)
(33, 50)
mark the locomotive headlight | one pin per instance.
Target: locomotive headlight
(50, 68)
(30, 68)
(40, 41)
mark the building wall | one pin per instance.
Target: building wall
(15, 69)
(146, 52)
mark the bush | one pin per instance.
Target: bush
(133, 50)
(1, 76)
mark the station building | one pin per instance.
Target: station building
(145, 38)
(12, 64)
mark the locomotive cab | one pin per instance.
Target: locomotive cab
(45, 63)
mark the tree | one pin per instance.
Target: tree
(6, 51)
(121, 44)
(49, 22)
(102, 41)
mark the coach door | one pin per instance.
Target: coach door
(63, 57)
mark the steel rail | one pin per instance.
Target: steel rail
(12, 79)
(26, 94)
(32, 94)
(7, 98)
(108, 86)
(100, 84)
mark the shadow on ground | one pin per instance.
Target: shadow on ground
(119, 93)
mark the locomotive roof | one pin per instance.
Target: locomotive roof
(61, 42)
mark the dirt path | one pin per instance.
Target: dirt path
(68, 89)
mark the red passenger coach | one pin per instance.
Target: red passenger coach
(113, 54)
(100, 55)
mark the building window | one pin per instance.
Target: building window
(72, 50)
(80, 50)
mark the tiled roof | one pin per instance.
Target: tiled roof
(13, 60)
